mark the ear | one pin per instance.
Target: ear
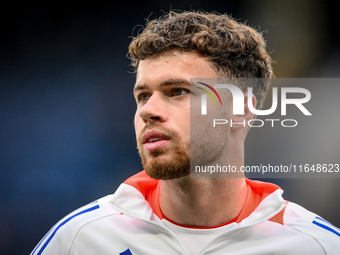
(241, 121)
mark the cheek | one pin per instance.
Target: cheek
(137, 123)
(185, 122)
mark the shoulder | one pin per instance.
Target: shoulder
(308, 223)
(61, 236)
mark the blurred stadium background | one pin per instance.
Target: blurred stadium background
(66, 105)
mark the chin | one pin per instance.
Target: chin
(167, 170)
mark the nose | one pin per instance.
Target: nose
(154, 110)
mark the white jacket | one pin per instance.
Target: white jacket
(129, 222)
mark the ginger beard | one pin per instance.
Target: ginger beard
(171, 162)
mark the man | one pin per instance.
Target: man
(162, 210)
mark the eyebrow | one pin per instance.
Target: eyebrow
(163, 84)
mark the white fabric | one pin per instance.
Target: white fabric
(194, 240)
(124, 224)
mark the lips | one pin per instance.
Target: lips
(153, 140)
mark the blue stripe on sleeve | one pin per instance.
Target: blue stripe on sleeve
(326, 227)
(319, 218)
(59, 226)
(41, 241)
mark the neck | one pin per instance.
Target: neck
(202, 202)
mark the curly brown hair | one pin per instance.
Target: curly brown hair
(234, 49)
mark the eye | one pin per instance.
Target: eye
(179, 92)
(142, 97)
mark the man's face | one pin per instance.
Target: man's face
(162, 119)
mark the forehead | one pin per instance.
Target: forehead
(174, 65)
